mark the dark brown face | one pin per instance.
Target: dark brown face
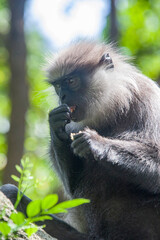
(71, 91)
(75, 89)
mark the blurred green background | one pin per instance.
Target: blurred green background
(25, 96)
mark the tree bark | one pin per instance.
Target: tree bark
(113, 30)
(18, 87)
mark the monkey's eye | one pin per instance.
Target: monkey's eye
(71, 81)
(74, 83)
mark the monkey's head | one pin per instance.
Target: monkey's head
(84, 78)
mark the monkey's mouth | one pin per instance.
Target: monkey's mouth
(72, 108)
(77, 114)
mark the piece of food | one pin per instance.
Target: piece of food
(72, 108)
(73, 134)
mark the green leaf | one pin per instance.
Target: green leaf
(73, 203)
(33, 208)
(23, 162)
(27, 178)
(49, 201)
(4, 228)
(29, 231)
(17, 218)
(41, 218)
(19, 169)
(55, 210)
(27, 172)
(15, 178)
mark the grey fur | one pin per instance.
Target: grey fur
(115, 159)
(115, 162)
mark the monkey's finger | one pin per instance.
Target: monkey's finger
(78, 141)
(57, 125)
(60, 116)
(77, 135)
(61, 108)
(80, 134)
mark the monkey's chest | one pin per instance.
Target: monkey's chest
(114, 207)
(100, 183)
(103, 191)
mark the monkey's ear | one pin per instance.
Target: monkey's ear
(107, 60)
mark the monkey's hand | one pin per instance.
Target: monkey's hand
(89, 144)
(58, 118)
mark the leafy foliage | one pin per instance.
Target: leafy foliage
(139, 33)
(23, 181)
(37, 210)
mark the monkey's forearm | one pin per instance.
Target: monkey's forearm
(136, 160)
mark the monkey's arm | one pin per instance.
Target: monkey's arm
(65, 162)
(55, 227)
(133, 161)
